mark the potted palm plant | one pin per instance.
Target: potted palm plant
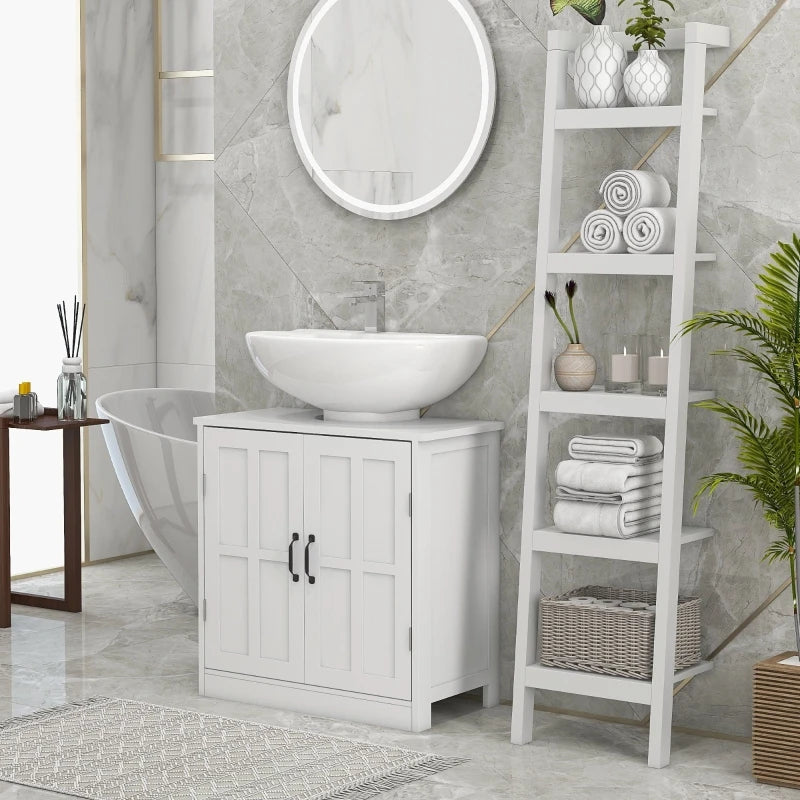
(599, 60)
(648, 79)
(769, 452)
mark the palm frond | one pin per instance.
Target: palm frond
(750, 325)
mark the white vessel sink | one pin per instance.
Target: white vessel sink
(364, 377)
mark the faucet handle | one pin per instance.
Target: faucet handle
(375, 288)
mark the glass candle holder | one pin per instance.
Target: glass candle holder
(655, 363)
(623, 362)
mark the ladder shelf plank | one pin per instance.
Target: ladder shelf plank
(609, 687)
(598, 402)
(581, 119)
(641, 549)
(617, 263)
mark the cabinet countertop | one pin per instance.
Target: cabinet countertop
(309, 420)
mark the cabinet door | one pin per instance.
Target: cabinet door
(358, 609)
(253, 506)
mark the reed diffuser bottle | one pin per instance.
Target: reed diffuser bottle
(72, 382)
(71, 390)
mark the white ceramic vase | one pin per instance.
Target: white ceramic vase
(599, 67)
(575, 369)
(647, 79)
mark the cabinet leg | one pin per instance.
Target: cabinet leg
(420, 717)
(491, 694)
(5, 531)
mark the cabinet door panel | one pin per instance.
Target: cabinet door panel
(358, 610)
(253, 505)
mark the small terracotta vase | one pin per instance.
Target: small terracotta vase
(575, 369)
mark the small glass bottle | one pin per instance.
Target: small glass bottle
(71, 390)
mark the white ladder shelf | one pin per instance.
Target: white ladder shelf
(560, 116)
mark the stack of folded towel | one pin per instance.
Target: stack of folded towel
(636, 218)
(610, 486)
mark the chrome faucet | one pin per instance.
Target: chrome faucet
(375, 301)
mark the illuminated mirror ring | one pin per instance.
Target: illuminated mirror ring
(467, 28)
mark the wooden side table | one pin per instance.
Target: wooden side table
(72, 515)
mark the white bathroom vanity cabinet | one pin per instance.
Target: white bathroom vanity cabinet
(348, 569)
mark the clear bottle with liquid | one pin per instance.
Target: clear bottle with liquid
(71, 390)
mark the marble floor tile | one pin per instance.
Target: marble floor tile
(137, 638)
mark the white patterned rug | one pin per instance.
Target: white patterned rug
(110, 749)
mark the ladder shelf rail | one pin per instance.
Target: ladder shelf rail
(664, 550)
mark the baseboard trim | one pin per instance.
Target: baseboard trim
(308, 700)
(53, 570)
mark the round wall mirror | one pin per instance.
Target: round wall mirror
(391, 101)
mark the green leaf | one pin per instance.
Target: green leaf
(592, 10)
(769, 453)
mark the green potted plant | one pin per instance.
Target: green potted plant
(575, 368)
(769, 452)
(600, 86)
(648, 79)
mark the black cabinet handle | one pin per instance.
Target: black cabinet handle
(295, 538)
(311, 540)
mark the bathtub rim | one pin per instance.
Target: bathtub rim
(103, 412)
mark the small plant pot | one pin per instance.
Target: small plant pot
(647, 79)
(776, 720)
(575, 369)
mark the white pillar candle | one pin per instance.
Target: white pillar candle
(625, 367)
(658, 369)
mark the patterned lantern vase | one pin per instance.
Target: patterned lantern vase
(647, 79)
(599, 68)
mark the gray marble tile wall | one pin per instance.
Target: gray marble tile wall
(286, 256)
(120, 339)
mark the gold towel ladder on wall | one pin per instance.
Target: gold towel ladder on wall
(161, 75)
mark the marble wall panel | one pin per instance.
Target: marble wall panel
(185, 203)
(286, 256)
(120, 338)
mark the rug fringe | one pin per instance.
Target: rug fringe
(45, 713)
(394, 780)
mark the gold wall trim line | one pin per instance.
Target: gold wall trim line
(174, 74)
(185, 157)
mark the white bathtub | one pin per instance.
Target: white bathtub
(152, 442)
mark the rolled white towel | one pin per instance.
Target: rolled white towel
(601, 232)
(631, 496)
(7, 409)
(596, 476)
(627, 190)
(618, 520)
(616, 449)
(650, 230)
(7, 396)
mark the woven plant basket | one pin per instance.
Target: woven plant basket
(612, 641)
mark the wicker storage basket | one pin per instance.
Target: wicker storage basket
(609, 640)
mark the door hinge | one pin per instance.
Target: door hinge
(409, 504)
(204, 484)
(205, 609)
(410, 639)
